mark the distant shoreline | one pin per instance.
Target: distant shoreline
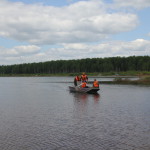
(28, 75)
(118, 79)
(127, 74)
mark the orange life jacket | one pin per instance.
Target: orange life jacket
(83, 84)
(96, 84)
(77, 78)
(84, 77)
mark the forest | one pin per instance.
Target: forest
(109, 64)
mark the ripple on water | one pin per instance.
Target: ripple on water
(39, 115)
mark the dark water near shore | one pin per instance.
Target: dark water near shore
(39, 114)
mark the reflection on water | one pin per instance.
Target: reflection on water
(37, 114)
(83, 105)
(83, 97)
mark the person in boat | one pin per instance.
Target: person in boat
(95, 84)
(83, 85)
(77, 80)
(84, 77)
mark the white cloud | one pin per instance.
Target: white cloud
(19, 51)
(76, 51)
(83, 21)
(137, 4)
(71, 27)
(109, 49)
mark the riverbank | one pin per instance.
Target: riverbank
(126, 74)
(145, 80)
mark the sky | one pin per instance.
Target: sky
(45, 30)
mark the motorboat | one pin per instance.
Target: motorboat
(90, 90)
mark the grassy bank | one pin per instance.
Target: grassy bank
(127, 73)
(119, 78)
(144, 80)
(36, 75)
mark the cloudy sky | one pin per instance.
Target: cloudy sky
(43, 30)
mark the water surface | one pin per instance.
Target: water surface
(39, 113)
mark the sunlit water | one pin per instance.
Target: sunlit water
(39, 114)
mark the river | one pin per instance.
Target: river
(39, 113)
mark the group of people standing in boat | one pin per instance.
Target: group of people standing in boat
(82, 81)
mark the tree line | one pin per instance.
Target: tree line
(109, 64)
